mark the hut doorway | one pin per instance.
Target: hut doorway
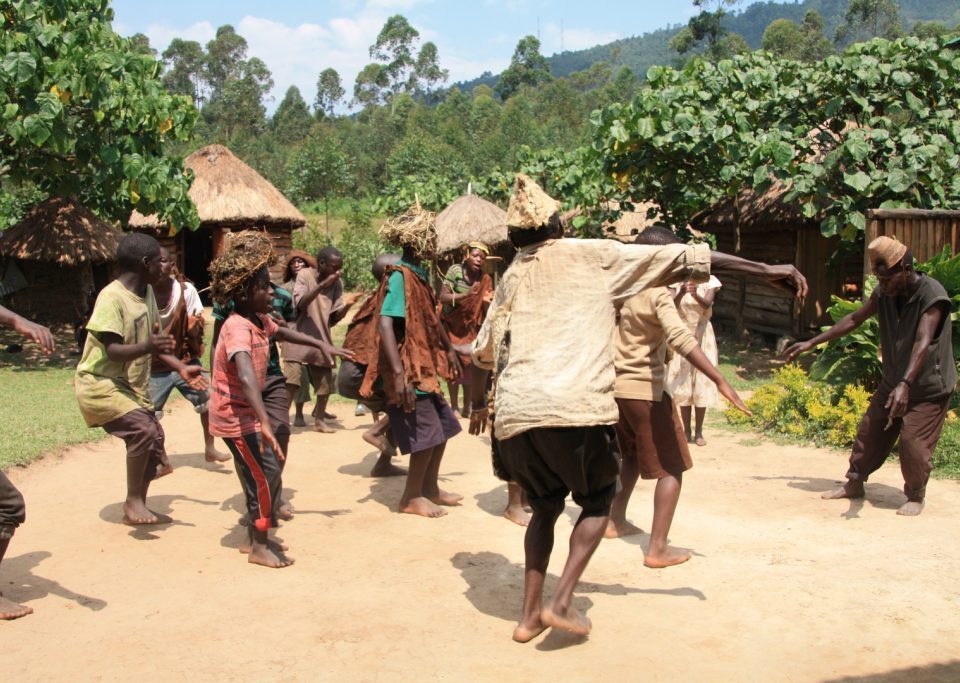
(197, 255)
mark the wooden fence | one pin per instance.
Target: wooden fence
(925, 231)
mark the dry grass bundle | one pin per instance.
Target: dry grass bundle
(414, 228)
(245, 254)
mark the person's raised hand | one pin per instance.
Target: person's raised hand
(690, 287)
(193, 376)
(478, 420)
(351, 298)
(330, 279)
(38, 333)
(160, 343)
(788, 278)
(796, 349)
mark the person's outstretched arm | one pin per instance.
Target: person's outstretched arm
(292, 336)
(698, 359)
(27, 328)
(842, 327)
(783, 276)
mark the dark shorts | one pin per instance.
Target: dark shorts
(652, 433)
(431, 424)
(550, 463)
(141, 432)
(321, 379)
(13, 513)
(277, 403)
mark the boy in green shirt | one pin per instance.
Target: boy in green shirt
(113, 376)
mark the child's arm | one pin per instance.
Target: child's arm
(27, 328)
(698, 359)
(388, 342)
(452, 359)
(157, 344)
(348, 301)
(251, 392)
(292, 336)
(192, 374)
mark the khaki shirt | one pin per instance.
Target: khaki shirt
(560, 370)
(649, 322)
(315, 319)
(108, 389)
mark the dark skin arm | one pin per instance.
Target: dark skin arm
(312, 294)
(699, 360)
(27, 328)
(388, 342)
(478, 404)
(452, 359)
(786, 277)
(930, 323)
(159, 345)
(288, 335)
(251, 392)
(217, 326)
(705, 301)
(447, 296)
(349, 300)
(842, 327)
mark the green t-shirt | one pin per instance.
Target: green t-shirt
(108, 389)
(395, 301)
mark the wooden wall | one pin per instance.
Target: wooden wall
(54, 294)
(926, 232)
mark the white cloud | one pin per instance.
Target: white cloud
(160, 35)
(556, 39)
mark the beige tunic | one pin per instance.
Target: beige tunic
(560, 371)
(685, 384)
(315, 319)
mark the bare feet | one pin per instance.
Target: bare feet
(12, 610)
(274, 546)
(298, 421)
(911, 508)
(285, 511)
(571, 620)
(322, 427)
(213, 455)
(329, 416)
(385, 468)
(668, 558)
(136, 513)
(265, 556)
(852, 489)
(379, 441)
(700, 441)
(446, 498)
(163, 470)
(618, 529)
(524, 633)
(517, 515)
(421, 506)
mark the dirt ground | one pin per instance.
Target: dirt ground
(783, 586)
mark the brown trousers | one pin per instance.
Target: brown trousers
(918, 430)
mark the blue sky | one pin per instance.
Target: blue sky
(297, 40)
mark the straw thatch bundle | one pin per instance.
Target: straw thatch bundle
(470, 219)
(245, 253)
(227, 192)
(61, 230)
(415, 228)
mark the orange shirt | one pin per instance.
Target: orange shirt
(230, 413)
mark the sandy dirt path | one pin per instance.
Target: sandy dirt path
(782, 587)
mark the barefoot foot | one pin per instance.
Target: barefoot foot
(911, 508)
(517, 515)
(265, 556)
(446, 498)
(12, 610)
(136, 513)
(571, 620)
(298, 421)
(274, 546)
(667, 558)
(213, 455)
(525, 632)
(285, 511)
(618, 529)
(329, 416)
(322, 427)
(852, 489)
(163, 470)
(421, 506)
(385, 468)
(700, 441)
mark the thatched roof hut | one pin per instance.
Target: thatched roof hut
(229, 196)
(471, 219)
(62, 231)
(60, 249)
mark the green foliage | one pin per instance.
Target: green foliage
(83, 112)
(292, 120)
(856, 356)
(793, 406)
(945, 269)
(16, 201)
(946, 459)
(867, 19)
(528, 68)
(318, 169)
(801, 41)
(329, 92)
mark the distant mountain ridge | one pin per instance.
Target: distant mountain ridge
(641, 52)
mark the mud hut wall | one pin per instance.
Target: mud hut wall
(54, 294)
(925, 232)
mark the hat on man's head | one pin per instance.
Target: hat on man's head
(886, 251)
(530, 207)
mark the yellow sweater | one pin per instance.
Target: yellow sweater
(649, 323)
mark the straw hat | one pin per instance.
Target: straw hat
(530, 206)
(886, 251)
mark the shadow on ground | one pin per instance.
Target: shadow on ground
(879, 496)
(23, 585)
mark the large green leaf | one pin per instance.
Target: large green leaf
(19, 67)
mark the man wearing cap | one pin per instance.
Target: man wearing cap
(549, 333)
(919, 372)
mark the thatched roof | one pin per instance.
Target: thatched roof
(758, 211)
(63, 231)
(628, 226)
(229, 193)
(470, 219)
